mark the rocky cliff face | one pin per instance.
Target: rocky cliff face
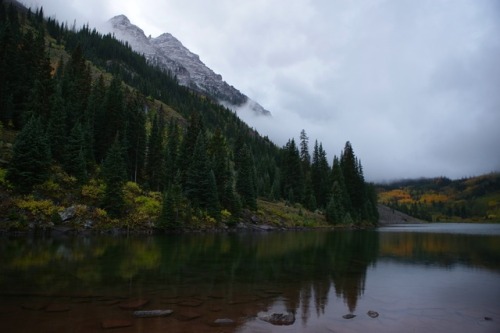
(168, 53)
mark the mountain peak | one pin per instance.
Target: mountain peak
(168, 53)
(120, 18)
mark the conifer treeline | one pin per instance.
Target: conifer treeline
(111, 129)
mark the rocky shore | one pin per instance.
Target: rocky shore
(390, 216)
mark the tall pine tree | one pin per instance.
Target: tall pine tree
(31, 159)
(114, 175)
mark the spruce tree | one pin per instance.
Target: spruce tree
(170, 217)
(31, 157)
(292, 176)
(245, 181)
(172, 153)
(320, 176)
(114, 175)
(74, 158)
(57, 132)
(155, 155)
(354, 181)
(136, 138)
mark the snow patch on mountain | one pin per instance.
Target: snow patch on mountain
(168, 53)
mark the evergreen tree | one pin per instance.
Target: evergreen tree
(96, 117)
(57, 133)
(155, 155)
(305, 157)
(114, 113)
(320, 176)
(31, 157)
(354, 181)
(136, 138)
(200, 186)
(219, 158)
(194, 128)
(339, 186)
(245, 182)
(114, 175)
(74, 160)
(230, 200)
(76, 87)
(292, 176)
(172, 153)
(170, 216)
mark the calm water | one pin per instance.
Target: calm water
(418, 278)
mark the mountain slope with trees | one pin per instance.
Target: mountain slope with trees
(96, 137)
(442, 199)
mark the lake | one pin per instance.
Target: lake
(403, 278)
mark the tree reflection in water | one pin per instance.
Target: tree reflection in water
(233, 275)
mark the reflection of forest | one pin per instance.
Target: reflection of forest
(441, 248)
(301, 267)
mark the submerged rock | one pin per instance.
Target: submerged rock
(152, 313)
(224, 322)
(372, 314)
(280, 319)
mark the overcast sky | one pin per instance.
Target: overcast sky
(414, 85)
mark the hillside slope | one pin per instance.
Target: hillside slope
(442, 199)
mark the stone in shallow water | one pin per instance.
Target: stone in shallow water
(348, 316)
(372, 314)
(133, 304)
(116, 323)
(152, 313)
(224, 322)
(279, 319)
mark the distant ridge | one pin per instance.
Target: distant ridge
(168, 53)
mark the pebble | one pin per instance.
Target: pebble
(348, 316)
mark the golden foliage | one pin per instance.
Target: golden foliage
(38, 210)
(93, 191)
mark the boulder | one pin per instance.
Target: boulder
(279, 319)
(224, 322)
(68, 213)
(152, 313)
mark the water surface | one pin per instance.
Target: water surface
(418, 278)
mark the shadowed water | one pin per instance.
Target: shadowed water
(421, 278)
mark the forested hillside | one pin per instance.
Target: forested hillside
(93, 135)
(442, 199)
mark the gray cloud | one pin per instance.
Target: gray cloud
(412, 84)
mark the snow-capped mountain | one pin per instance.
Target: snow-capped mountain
(168, 53)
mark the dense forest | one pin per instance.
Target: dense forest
(442, 199)
(87, 123)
